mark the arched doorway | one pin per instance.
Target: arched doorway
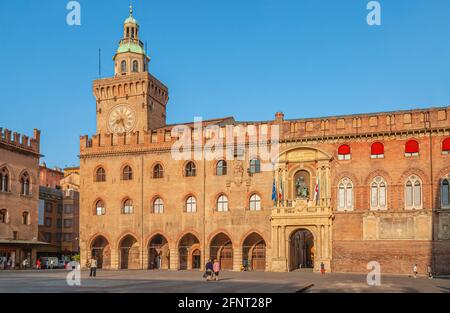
(221, 248)
(101, 249)
(158, 253)
(301, 250)
(129, 253)
(254, 252)
(189, 244)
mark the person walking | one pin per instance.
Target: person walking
(430, 272)
(93, 267)
(51, 263)
(415, 271)
(322, 268)
(38, 264)
(209, 269)
(25, 264)
(216, 269)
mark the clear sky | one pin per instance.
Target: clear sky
(245, 58)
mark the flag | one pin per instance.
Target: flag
(274, 192)
(316, 190)
(281, 194)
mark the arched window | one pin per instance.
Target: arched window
(445, 193)
(190, 170)
(191, 205)
(100, 208)
(378, 194)
(123, 66)
(25, 185)
(255, 202)
(127, 173)
(221, 168)
(100, 175)
(25, 218)
(158, 206)
(446, 146)
(411, 148)
(4, 180)
(377, 150)
(413, 193)
(3, 216)
(345, 195)
(222, 203)
(255, 166)
(127, 207)
(158, 171)
(344, 152)
(135, 66)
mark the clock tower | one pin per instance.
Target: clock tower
(132, 100)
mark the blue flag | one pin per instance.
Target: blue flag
(274, 192)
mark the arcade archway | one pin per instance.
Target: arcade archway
(101, 249)
(189, 252)
(158, 253)
(254, 252)
(129, 253)
(221, 248)
(301, 249)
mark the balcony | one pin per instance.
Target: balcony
(300, 207)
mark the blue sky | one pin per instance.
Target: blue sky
(245, 58)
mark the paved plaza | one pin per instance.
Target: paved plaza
(231, 282)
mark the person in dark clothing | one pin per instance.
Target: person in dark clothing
(209, 268)
(322, 268)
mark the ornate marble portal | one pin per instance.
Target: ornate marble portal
(297, 210)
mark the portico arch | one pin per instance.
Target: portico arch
(189, 252)
(129, 254)
(301, 249)
(101, 250)
(221, 248)
(158, 253)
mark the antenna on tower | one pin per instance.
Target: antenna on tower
(100, 63)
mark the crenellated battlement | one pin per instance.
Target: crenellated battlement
(22, 142)
(358, 124)
(344, 127)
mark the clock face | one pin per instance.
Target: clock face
(122, 119)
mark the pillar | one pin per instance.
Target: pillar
(115, 258)
(174, 263)
(237, 259)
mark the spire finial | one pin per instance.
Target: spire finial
(131, 8)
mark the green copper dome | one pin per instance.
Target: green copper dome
(130, 47)
(131, 19)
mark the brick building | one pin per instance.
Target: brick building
(342, 191)
(19, 192)
(58, 211)
(71, 210)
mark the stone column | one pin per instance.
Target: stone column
(174, 263)
(144, 259)
(237, 259)
(115, 258)
(283, 242)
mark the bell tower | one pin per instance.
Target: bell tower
(132, 100)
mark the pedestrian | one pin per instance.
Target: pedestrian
(216, 269)
(25, 264)
(51, 264)
(415, 271)
(93, 267)
(430, 272)
(38, 264)
(322, 268)
(209, 268)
